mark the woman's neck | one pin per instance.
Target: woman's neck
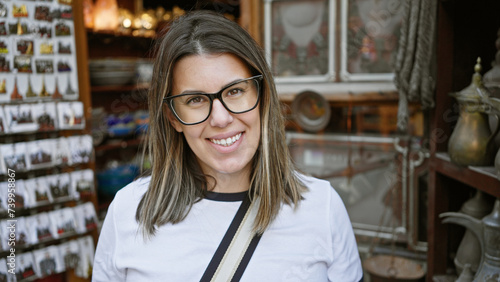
(229, 183)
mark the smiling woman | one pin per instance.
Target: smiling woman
(222, 201)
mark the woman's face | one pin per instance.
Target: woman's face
(240, 132)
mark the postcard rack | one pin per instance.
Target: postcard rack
(47, 193)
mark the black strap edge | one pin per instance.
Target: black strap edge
(246, 258)
(226, 241)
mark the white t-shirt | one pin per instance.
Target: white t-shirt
(313, 243)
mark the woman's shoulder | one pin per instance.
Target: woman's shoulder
(319, 190)
(131, 194)
(313, 183)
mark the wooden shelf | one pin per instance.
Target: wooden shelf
(464, 33)
(109, 33)
(481, 178)
(119, 88)
(342, 98)
(121, 144)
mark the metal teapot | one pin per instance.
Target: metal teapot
(472, 142)
(469, 250)
(487, 231)
(494, 103)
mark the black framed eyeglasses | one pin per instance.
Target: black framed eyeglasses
(238, 97)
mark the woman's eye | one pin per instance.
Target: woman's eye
(235, 91)
(195, 100)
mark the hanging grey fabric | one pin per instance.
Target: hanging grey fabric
(415, 62)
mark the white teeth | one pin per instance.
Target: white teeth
(226, 142)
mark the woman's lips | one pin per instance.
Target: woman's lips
(226, 142)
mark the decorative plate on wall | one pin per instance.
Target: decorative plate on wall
(311, 111)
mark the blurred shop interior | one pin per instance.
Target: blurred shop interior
(396, 103)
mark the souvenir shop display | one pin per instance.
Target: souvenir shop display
(4, 191)
(86, 217)
(39, 97)
(4, 241)
(82, 182)
(70, 253)
(19, 118)
(25, 267)
(81, 148)
(60, 186)
(40, 153)
(22, 238)
(3, 269)
(37, 45)
(38, 190)
(3, 122)
(63, 153)
(21, 234)
(45, 116)
(86, 256)
(63, 222)
(39, 228)
(70, 115)
(486, 231)
(76, 254)
(14, 156)
(48, 261)
(21, 195)
(472, 142)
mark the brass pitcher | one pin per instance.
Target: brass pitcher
(472, 142)
(494, 103)
(487, 231)
(469, 250)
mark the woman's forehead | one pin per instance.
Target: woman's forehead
(207, 72)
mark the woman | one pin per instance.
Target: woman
(217, 146)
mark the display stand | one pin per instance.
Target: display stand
(47, 161)
(465, 31)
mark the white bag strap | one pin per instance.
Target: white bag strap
(237, 246)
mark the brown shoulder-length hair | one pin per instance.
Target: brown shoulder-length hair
(177, 181)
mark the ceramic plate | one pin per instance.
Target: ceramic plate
(311, 111)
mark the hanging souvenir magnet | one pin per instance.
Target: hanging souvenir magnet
(29, 92)
(42, 13)
(15, 93)
(56, 94)
(63, 67)
(43, 92)
(44, 66)
(23, 63)
(19, 11)
(46, 48)
(3, 86)
(64, 49)
(25, 47)
(67, 14)
(4, 64)
(62, 29)
(3, 29)
(44, 31)
(65, 2)
(3, 10)
(18, 28)
(3, 47)
(69, 88)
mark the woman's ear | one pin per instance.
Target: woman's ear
(173, 120)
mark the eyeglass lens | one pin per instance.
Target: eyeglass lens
(237, 98)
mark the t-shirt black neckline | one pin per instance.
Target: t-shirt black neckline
(225, 197)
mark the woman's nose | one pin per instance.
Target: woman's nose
(220, 116)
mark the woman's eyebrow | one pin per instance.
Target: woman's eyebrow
(203, 92)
